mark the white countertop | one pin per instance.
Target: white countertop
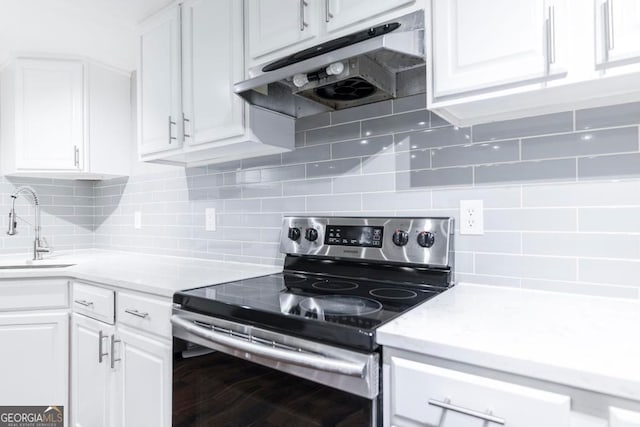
(586, 342)
(155, 274)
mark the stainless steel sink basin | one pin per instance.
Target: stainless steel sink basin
(30, 266)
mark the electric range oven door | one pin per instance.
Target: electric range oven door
(229, 374)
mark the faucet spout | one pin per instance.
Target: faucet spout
(38, 247)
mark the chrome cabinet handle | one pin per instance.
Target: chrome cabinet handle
(447, 406)
(551, 36)
(184, 126)
(136, 313)
(303, 5)
(113, 349)
(171, 138)
(608, 24)
(101, 355)
(269, 351)
(327, 11)
(83, 302)
(76, 156)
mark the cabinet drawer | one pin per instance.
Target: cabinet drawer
(93, 301)
(623, 418)
(145, 312)
(21, 295)
(423, 393)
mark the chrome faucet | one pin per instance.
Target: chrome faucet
(38, 247)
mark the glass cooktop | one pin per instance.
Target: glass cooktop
(343, 311)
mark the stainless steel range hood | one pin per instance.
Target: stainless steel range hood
(384, 62)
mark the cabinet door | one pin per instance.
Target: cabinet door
(90, 373)
(276, 24)
(34, 360)
(623, 418)
(49, 115)
(144, 381)
(210, 68)
(339, 14)
(159, 84)
(426, 395)
(618, 31)
(480, 44)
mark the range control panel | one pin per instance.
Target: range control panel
(354, 235)
(425, 240)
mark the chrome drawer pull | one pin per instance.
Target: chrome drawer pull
(83, 302)
(447, 406)
(136, 313)
(101, 336)
(113, 352)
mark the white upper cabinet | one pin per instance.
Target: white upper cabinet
(191, 56)
(507, 59)
(618, 31)
(276, 24)
(64, 119)
(278, 28)
(49, 113)
(475, 45)
(211, 110)
(159, 77)
(339, 14)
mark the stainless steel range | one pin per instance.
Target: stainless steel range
(298, 347)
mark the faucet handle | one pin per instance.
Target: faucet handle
(44, 248)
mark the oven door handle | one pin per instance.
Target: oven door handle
(307, 360)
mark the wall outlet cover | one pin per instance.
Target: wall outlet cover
(471, 217)
(210, 219)
(137, 220)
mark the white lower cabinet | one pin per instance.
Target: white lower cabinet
(623, 418)
(34, 343)
(426, 395)
(90, 371)
(121, 376)
(34, 359)
(144, 380)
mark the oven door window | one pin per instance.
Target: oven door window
(216, 389)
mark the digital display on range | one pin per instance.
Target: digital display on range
(349, 235)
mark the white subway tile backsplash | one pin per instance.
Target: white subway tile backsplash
(580, 235)
(585, 245)
(546, 170)
(607, 271)
(609, 219)
(622, 193)
(526, 266)
(530, 126)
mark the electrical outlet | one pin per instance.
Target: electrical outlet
(210, 219)
(471, 217)
(137, 220)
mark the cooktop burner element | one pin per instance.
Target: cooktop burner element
(393, 293)
(334, 285)
(342, 279)
(339, 305)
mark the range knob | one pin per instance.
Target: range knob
(311, 234)
(400, 238)
(426, 239)
(294, 233)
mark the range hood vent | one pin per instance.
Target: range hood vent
(383, 62)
